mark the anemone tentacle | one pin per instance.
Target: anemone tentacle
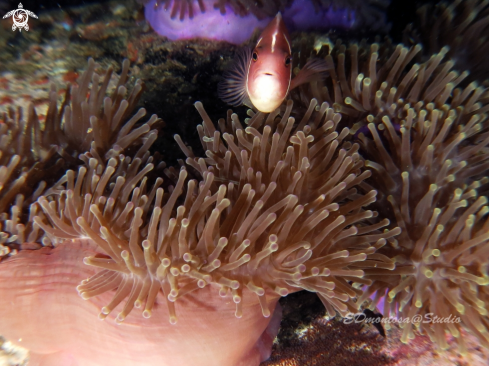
(274, 212)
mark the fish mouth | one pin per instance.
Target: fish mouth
(265, 72)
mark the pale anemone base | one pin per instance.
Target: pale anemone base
(43, 312)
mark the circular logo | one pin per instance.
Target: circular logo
(20, 18)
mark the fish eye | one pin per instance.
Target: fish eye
(287, 61)
(255, 56)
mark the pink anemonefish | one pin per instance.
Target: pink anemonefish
(262, 77)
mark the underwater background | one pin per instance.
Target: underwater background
(397, 126)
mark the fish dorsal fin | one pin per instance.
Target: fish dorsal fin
(232, 89)
(314, 69)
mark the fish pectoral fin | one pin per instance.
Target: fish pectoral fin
(314, 69)
(232, 89)
(247, 102)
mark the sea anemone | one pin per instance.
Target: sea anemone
(63, 326)
(80, 129)
(426, 143)
(441, 254)
(235, 234)
(235, 21)
(189, 8)
(94, 125)
(240, 231)
(460, 25)
(98, 126)
(370, 83)
(300, 170)
(25, 159)
(26, 162)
